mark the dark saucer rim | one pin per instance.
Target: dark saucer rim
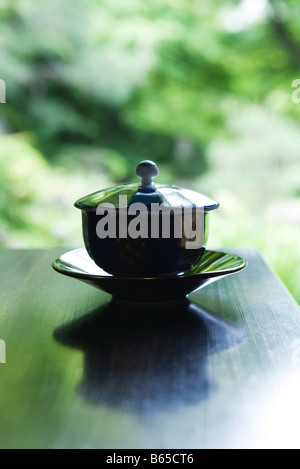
(58, 262)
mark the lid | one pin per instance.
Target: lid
(147, 192)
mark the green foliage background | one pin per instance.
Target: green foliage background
(203, 88)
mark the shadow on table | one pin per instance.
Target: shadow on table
(148, 359)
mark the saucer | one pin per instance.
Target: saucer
(212, 266)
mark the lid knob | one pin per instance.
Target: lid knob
(147, 170)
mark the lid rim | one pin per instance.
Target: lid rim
(209, 206)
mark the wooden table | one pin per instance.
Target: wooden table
(80, 373)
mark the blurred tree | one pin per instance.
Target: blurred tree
(143, 80)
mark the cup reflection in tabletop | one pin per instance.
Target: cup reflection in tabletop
(148, 359)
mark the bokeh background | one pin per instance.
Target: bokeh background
(202, 87)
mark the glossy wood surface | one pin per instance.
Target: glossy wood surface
(223, 371)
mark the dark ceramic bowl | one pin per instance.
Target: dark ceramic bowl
(147, 255)
(142, 257)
